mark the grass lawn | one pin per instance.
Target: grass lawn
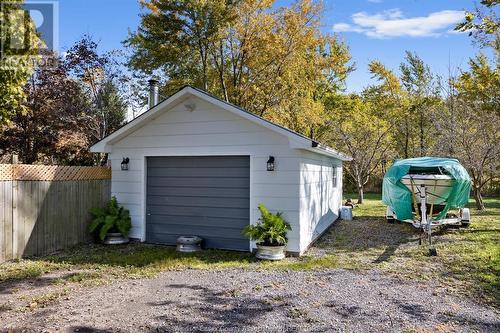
(468, 260)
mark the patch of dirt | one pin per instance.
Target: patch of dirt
(248, 300)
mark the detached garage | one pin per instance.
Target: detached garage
(200, 166)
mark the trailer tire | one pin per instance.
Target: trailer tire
(433, 252)
(465, 224)
(391, 220)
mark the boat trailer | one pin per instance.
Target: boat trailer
(425, 222)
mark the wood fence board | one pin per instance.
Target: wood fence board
(26, 172)
(3, 217)
(9, 220)
(49, 215)
(41, 216)
(30, 219)
(38, 217)
(5, 220)
(17, 223)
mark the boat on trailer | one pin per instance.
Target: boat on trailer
(422, 191)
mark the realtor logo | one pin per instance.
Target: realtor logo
(28, 31)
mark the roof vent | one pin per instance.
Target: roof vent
(153, 92)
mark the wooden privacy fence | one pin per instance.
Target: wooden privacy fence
(46, 208)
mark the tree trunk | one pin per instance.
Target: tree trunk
(478, 197)
(221, 74)
(360, 194)
(407, 138)
(422, 139)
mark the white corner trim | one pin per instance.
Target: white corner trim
(329, 152)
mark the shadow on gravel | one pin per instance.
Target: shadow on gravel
(415, 310)
(345, 311)
(214, 311)
(8, 287)
(164, 303)
(422, 314)
(492, 326)
(89, 329)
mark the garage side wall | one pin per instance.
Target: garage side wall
(320, 195)
(209, 131)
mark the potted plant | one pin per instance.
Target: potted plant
(112, 223)
(270, 234)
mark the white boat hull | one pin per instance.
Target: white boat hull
(437, 187)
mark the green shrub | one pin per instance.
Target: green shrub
(270, 230)
(112, 218)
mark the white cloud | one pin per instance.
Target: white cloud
(344, 27)
(392, 23)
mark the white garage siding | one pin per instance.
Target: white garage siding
(207, 131)
(320, 195)
(193, 123)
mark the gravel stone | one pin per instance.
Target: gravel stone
(243, 300)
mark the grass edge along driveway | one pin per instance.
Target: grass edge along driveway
(468, 260)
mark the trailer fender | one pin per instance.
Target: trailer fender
(390, 215)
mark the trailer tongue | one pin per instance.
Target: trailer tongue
(421, 191)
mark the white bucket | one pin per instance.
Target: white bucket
(346, 213)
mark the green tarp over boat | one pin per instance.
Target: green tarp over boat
(397, 196)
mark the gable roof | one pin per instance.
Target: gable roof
(295, 139)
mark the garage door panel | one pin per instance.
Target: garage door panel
(198, 211)
(201, 182)
(167, 239)
(200, 192)
(202, 231)
(213, 242)
(205, 196)
(198, 172)
(195, 162)
(198, 201)
(228, 244)
(216, 222)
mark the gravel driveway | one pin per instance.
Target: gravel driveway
(239, 300)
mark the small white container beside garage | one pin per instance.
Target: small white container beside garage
(199, 166)
(346, 213)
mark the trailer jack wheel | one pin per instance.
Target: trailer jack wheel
(433, 252)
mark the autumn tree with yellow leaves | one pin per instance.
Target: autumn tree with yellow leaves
(272, 61)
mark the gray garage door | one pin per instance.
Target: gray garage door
(204, 196)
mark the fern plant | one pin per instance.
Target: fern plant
(112, 218)
(270, 230)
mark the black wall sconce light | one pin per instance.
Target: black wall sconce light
(125, 163)
(270, 163)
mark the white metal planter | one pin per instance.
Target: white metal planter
(115, 238)
(189, 244)
(270, 252)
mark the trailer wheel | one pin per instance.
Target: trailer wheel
(433, 252)
(465, 224)
(391, 220)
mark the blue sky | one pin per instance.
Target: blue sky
(373, 29)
